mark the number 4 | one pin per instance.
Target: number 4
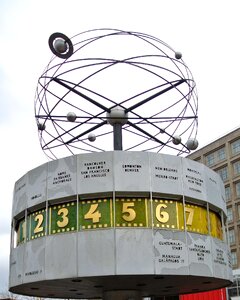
(93, 214)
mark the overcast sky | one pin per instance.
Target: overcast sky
(206, 32)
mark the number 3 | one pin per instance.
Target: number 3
(63, 212)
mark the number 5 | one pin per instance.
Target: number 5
(128, 212)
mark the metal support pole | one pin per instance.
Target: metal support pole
(117, 136)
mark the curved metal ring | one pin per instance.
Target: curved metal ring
(51, 40)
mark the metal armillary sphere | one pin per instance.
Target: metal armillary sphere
(106, 82)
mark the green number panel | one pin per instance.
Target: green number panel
(131, 212)
(37, 222)
(21, 231)
(63, 218)
(95, 214)
(165, 214)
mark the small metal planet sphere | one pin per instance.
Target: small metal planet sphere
(192, 144)
(176, 140)
(71, 117)
(41, 126)
(178, 55)
(91, 137)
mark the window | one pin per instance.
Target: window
(236, 168)
(229, 214)
(215, 157)
(221, 154)
(227, 193)
(238, 210)
(234, 258)
(237, 186)
(231, 236)
(223, 172)
(232, 292)
(235, 147)
(210, 159)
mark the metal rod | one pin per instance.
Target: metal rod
(86, 132)
(146, 133)
(117, 136)
(155, 95)
(72, 89)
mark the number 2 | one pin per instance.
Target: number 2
(39, 220)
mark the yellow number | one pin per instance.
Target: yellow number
(190, 216)
(39, 227)
(129, 213)
(93, 213)
(63, 212)
(162, 216)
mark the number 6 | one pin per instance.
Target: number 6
(162, 216)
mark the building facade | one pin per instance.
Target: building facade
(223, 156)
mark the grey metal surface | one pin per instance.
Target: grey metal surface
(171, 253)
(20, 195)
(118, 171)
(134, 252)
(193, 175)
(37, 186)
(95, 173)
(61, 256)
(96, 253)
(199, 254)
(16, 265)
(61, 179)
(166, 174)
(34, 261)
(131, 171)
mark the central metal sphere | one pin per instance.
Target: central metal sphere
(117, 115)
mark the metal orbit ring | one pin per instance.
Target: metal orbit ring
(53, 37)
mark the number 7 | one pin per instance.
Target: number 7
(190, 216)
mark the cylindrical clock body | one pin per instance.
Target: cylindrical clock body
(86, 225)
